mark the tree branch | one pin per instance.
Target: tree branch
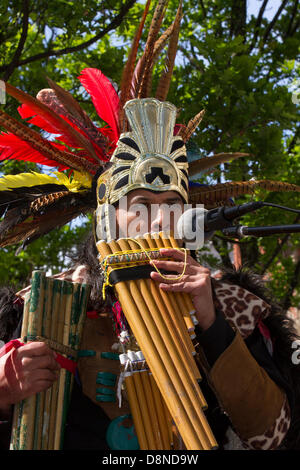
(278, 249)
(293, 15)
(10, 68)
(295, 28)
(257, 24)
(238, 18)
(293, 141)
(203, 8)
(274, 20)
(192, 57)
(59, 52)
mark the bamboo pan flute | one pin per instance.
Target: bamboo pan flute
(152, 420)
(54, 311)
(162, 325)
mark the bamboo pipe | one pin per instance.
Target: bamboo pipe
(185, 300)
(60, 333)
(143, 402)
(188, 383)
(159, 406)
(18, 407)
(193, 389)
(63, 338)
(166, 327)
(47, 334)
(42, 324)
(42, 418)
(144, 374)
(176, 327)
(171, 303)
(144, 409)
(187, 297)
(142, 335)
(134, 404)
(190, 404)
(56, 300)
(185, 310)
(136, 412)
(169, 422)
(34, 329)
(39, 404)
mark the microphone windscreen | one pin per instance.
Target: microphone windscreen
(190, 228)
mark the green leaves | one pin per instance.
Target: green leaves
(51, 253)
(227, 65)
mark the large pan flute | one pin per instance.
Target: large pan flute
(162, 324)
(54, 312)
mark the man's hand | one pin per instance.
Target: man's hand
(25, 371)
(195, 281)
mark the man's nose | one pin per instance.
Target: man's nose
(157, 221)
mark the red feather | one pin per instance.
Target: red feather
(104, 97)
(177, 128)
(13, 147)
(26, 112)
(53, 119)
(109, 133)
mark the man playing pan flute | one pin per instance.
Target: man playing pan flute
(244, 341)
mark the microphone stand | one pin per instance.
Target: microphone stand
(241, 231)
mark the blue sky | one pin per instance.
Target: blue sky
(270, 11)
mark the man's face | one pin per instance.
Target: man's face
(143, 211)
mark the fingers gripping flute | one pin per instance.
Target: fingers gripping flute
(160, 323)
(54, 312)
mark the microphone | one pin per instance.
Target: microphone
(197, 225)
(241, 231)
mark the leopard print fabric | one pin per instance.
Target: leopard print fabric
(242, 309)
(272, 438)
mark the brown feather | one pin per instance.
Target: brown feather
(31, 226)
(64, 106)
(146, 59)
(158, 47)
(46, 200)
(210, 162)
(165, 80)
(128, 71)
(219, 193)
(162, 41)
(186, 131)
(70, 104)
(36, 141)
(49, 115)
(156, 21)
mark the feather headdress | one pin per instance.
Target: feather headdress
(32, 204)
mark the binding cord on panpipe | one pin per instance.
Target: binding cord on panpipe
(152, 421)
(160, 322)
(54, 312)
